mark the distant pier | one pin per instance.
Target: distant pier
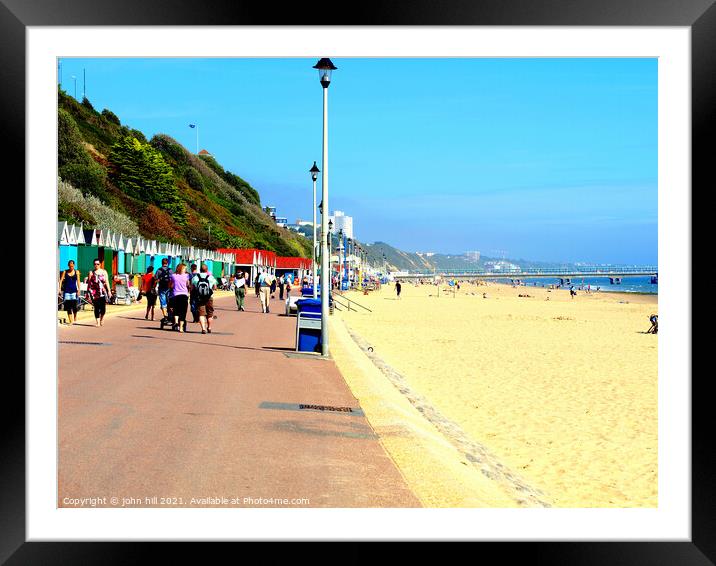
(614, 275)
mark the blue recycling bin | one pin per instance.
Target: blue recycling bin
(308, 325)
(307, 291)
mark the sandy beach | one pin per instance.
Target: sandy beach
(554, 393)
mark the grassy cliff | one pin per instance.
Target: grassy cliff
(157, 186)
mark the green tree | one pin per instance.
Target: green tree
(111, 117)
(69, 141)
(88, 177)
(141, 172)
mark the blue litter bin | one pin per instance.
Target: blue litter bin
(308, 325)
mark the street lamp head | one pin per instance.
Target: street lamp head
(330, 226)
(314, 171)
(320, 207)
(325, 67)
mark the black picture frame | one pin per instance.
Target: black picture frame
(699, 15)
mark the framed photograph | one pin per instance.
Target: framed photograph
(665, 57)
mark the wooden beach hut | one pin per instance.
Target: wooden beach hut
(141, 255)
(245, 260)
(87, 253)
(295, 266)
(120, 254)
(66, 250)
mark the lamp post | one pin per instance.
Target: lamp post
(74, 78)
(314, 175)
(325, 68)
(341, 252)
(330, 253)
(348, 260)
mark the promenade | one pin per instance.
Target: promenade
(156, 418)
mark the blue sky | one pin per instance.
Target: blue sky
(546, 159)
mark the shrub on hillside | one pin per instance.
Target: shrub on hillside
(69, 141)
(157, 224)
(169, 147)
(88, 177)
(194, 179)
(111, 117)
(87, 104)
(84, 207)
(139, 135)
(235, 181)
(73, 213)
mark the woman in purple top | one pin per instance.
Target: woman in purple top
(180, 284)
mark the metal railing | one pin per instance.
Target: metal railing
(348, 303)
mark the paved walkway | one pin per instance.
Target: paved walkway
(146, 414)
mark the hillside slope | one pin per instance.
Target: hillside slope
(157, 185)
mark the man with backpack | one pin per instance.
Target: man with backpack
(204, 284)
(163, 275)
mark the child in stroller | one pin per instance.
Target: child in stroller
(169, 319)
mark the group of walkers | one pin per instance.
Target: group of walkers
(265, 285)
(98, 291)
(178, 292)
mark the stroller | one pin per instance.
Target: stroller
(169, 319)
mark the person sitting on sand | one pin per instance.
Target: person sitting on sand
(654, 319)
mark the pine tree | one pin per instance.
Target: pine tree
(141, 172)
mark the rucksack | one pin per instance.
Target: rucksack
(203, 289)
(163, 276)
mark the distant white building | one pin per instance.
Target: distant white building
(426, 254)
(342, 222)
(502, 265)
(473, 256)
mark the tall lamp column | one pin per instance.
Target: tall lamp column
(325, 68)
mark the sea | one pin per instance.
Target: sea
(635, 284)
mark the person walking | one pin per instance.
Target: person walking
(257, 283)
(193, 306)
(99, 290)
(149, 284)
(203, 285)
(181, 288)
(68, 289)
(272, 280)
(264, 282)
(164, 275)
(240, 289)
(281, 286)
(398, 288)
